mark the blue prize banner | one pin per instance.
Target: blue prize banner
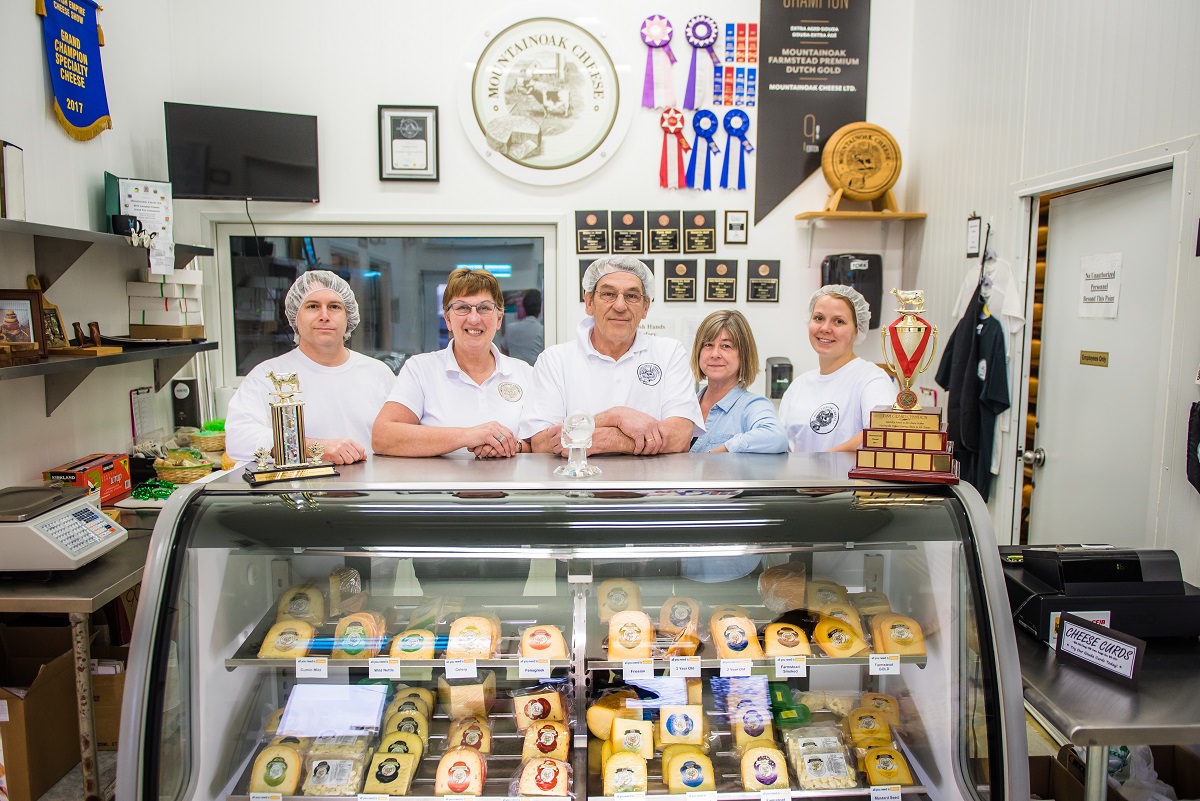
(73, 40)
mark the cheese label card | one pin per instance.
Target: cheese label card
(685, 666)
(889, 792)
(266, 797)
(774, 794)
(1104, 651)
(383, 667)
(632, 669)
(788, 667)
(461, 669)
(312, 667)
(732, 668)
(530, 668)
(884, 664)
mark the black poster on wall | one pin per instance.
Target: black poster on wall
(812, 81)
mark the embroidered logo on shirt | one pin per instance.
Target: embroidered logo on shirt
(649, 374)
(509, 391)
(824, 418)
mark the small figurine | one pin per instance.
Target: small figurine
(316, 451)
(261, 457)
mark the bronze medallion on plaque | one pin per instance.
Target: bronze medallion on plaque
(629, 232)
(591, 232)
(720, 280)
(699, 232)
(680, 280)
(762, 281)
(664, 231)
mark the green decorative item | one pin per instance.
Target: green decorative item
(214, 425)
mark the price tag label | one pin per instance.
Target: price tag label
(460, 668)
(628, 795)
(374, 797)
(884, 664)
(886, 792)
(637, 669)
(266, 797)
(775, 794)
(791, 667)
(702, 795)
(312, 667)
(532, 668)
(685, 666)
(460, 798)
(383, 667)
(735, 668)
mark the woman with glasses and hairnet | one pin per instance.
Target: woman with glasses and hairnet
(824, 409)
(465, 397)
(342, 390)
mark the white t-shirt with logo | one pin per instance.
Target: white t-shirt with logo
(653, 376)
(820, 412)
(434, 388)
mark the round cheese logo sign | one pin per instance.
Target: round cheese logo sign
(547, 776)
(681, 613)
(537, 709)
(539, 639)
(691, 774)
(788, 637)
(275, 772)
(765, 770)
(547, 739)
(411, 643)
(735, 637)
(460, 777)
(618, 599)
(900, 634)
(388, 769)
(680, 725)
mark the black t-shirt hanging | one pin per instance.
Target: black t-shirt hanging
(992, 371)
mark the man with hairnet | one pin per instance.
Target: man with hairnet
(637, 387)
(342, 390)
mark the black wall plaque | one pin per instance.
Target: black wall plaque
(699, 232)
(762, 280)
(591, 231)
(629, 232)
(679, 279)
(720, 280)
(664, 231)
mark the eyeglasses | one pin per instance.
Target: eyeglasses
(463, 309)
(631, 298)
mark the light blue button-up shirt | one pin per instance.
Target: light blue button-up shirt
(744, 422)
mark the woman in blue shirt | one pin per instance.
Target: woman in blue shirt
(735, 419)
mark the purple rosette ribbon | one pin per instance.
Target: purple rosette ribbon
(705, 124)
(701, 33)
(737, 126)
(656, 33)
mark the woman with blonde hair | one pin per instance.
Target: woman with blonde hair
(736, 420)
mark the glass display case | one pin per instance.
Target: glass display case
(721, 625)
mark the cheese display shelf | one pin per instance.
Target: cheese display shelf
(306, 640)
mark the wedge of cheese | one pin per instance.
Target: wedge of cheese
(695, 690)
(723, 611)
(287, 639)
(407, 703)
(606, 753)
(885, 766)
(390, 773)
(466, 698)
(784, 639)
(411, 722)
(617, 595)
(669, 751)
(685, 643)
(784, 587)
(763, 768)
(897, 634)
(634, 736)
(472, 636)
(534, 707)
(272, 724)
(330, 776)
(474, 733)
(837, 638)
(424, 694)
(870, 603)
(630, 635)
(690, 772)
(460, 771)
(678, 614)
(749, 721)
(546, 739)
(866, 727)
(544, 777)
(357, 637)
(885, 704)
(276, 770)
(401, 742)
(625, 773)
(822, 593)
(604, 710)
(302, 602)
(680, 724)
(413, 644)
(736, 638)
(543, 642)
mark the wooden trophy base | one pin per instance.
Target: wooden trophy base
(906, 446)
(918, 476)
(298, 472)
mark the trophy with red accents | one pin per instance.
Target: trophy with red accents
(904, 441)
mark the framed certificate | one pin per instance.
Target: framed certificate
(408, 143)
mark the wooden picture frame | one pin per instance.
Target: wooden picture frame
(21, 318)
(408, 143)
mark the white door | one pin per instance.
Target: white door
(1100, 427)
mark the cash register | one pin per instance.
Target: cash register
(53, 528)
(1140, 592)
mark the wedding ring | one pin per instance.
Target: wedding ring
(499, 438)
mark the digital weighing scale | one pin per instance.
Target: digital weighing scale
(53, 528)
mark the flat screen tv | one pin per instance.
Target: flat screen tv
(238, 154)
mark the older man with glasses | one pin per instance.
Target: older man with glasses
(637, 387)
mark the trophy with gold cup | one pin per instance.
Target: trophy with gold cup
(292, 459)
(905, 441)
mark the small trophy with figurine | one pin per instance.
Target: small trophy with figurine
(905, 441)
(577, 438)
(292, 459)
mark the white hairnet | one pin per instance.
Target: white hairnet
(619, 264)
(862, 309)
(314, 281)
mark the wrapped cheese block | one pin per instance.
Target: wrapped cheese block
(617, 595)
(301, 744)
(634, 736)
(783, 587)
(630, 635)
(886, 766)
(410, 722)
(846, 613)
(390, 773)
(784, 639)
(460, 771)
(677, 614)
(357, 636)
(533, 706)
(473, 733)
(669, 751)
(897, 634)
(276, 770)
(546, 739)
(681, 724)
(750, 720)
(822, 593)
(413, 644)
(544, 777)
(736, 638)
(689, 773)
(466, 698)
(424, 694)
(346, 746)
(763, 768)
(601, 713)
(685, 643)
(402, 742)
(625, 773)
(727, 610)
(543, 642)
(866, 728)
(870, 603)
(333, 776)
(407, 703)
(272, 724)
(344, 583)
(302, 602)
(287, 639)
(886, 705)
(472, 637)
(837, 639)
(695, 690)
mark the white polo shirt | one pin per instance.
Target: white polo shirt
(435, 389)
(653, 376)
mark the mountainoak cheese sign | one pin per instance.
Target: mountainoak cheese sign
(545, 102)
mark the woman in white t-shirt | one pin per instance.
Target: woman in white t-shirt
(465, 397)
(825, 409)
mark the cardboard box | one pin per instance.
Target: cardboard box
(182, 305)
(161, 317)
(1061, 777)
(41, 733)
(142, 289)
(166, 331)
(105, 473)
(182, 276)
(107, 691)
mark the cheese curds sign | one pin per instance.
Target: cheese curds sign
(73, 39)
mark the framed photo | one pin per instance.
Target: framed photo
(21, 318)
(408, 143)
(737, 227)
